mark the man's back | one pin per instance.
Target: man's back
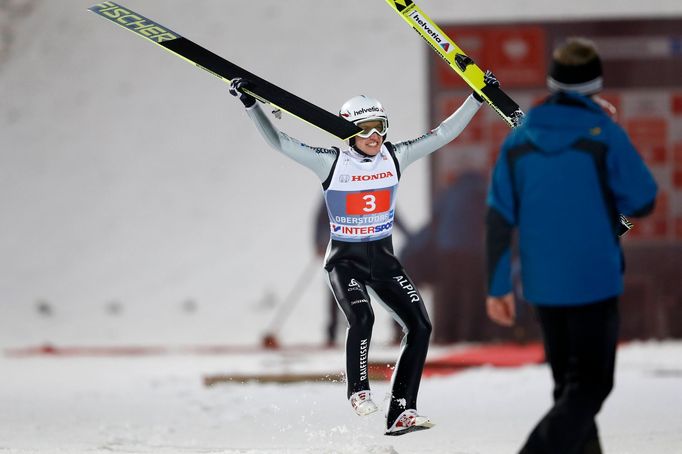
(562, 178)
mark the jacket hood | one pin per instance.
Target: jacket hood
(563, 119)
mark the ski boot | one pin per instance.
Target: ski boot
(409, 421)
(362, 403)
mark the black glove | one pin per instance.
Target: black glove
(236, 90)
(490, 80)
(624, 225)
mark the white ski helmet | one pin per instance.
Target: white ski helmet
(363, 108)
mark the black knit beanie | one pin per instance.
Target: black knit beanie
(585, 78)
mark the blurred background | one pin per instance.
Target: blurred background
(140, 206)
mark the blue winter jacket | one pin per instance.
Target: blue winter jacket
(561, 179)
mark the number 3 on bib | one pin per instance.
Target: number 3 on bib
(370, 200)
(359, 203)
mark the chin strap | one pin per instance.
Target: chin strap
(362, 153)
(351, 142)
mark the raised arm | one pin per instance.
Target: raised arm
(409, 151)
(319, 160)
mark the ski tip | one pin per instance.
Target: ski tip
(103, 6)
(134, 22)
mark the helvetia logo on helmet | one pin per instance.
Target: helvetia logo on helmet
(367, 110)
(424, 24)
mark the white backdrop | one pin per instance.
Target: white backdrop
(130, 179)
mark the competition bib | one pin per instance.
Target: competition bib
(361, 197)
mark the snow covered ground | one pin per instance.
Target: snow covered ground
(158, 404)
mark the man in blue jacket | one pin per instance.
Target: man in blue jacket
(561, 179)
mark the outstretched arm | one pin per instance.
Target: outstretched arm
(411, 150)
(500, 224)
(319, 160)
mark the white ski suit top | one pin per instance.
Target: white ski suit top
(360, 191)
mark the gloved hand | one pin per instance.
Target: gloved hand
(490, 80)
(236, 86)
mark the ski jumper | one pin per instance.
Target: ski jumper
(360, 194)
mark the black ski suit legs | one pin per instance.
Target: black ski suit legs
(580, 345)
(352, 297)
(401, 298)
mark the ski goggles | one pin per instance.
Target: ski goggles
(369, 127)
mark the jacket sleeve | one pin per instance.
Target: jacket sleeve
(409, 151)
(319, 160)
(498, 253)
(501, 194)
(633, 185)
(500, 223)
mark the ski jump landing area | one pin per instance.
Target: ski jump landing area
(305, 363)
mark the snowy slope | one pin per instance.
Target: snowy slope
(130, 176)
(131, 180)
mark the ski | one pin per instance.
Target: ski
(458, 60)
(464, 65)
(225, 70)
